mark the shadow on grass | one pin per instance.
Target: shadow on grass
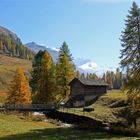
(59, 134)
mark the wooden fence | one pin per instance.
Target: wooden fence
(31, 107)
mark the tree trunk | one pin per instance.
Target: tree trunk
(135, 123)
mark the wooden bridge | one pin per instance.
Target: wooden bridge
(30, 107)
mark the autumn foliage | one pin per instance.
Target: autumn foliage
(19, 91)
(45, 83)
(42, 81)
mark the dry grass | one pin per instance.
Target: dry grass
(3, 96)
(15, 124)
(102, 110)
(8, 65)
(116, 94)
(13, 127)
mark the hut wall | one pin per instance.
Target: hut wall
(76, 88)
(90, 97)
(94, 89)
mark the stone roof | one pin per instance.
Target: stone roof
(91, 82)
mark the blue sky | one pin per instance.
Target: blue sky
(91, 28)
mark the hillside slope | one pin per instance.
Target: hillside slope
(8, 66)
(11, 45)
(10, 34)
(54, 52)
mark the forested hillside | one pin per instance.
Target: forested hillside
(11, 45)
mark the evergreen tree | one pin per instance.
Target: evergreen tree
(1, 46)
(94, 76)
(87, 76)
(14, 48)
(19, 92)
(78, 74)
(109, 79)
(83, 76)
(36, 72)
(114, 80)
(130, 54)
(43, 82)
(104, 77)
(65, 71)
(118, 79)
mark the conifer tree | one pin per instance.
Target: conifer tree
(1, 46)
(43, 82)
(115, 80)
(46, 80)
(78, 74)
(19, 92)
(118, 79)
(65, 71)
(83, 76)
(36, 72)
(11, 47)
(109, 79)
(130, 55)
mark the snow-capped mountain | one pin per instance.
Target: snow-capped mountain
(35, 47)
(81, 61)
(88, 66)
(84, 65)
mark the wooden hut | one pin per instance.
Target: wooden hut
(85, 91)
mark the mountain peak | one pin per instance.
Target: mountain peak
(89, 66)
(31, 44)
(34, 43)
(82, 64)
(36, 47)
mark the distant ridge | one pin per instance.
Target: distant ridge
(9, 33)
(82, 64)
(36, 47)
(11, 45)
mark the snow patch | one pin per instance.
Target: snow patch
(55, 49)
(89, 66)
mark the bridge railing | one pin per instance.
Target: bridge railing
(30, 106)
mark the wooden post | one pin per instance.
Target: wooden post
(84, 107)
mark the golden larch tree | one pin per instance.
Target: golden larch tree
(19, 91)
(45, 83)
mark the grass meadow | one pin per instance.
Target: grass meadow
(15, 126)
